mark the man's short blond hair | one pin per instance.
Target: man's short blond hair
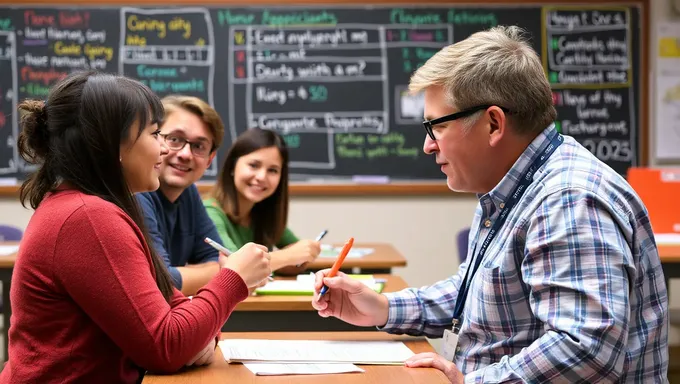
(498, 67)
(200, 108)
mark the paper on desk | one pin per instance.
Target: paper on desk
(329, 251)
(273, 369)
(304, 286)
(315, 351)
(6, 250)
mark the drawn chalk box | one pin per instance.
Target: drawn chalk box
(8, 125)
(586, 48)
(300, 155)
(170, 50)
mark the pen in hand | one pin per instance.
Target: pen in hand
(227, 252)
(338, 264)
(318, 238)
(321, 235)
(217, 246)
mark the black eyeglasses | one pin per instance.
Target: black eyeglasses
(176, 143)
(428, 124)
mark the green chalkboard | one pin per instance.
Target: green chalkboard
(332, 79)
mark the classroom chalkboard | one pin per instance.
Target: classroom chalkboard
(332, 79)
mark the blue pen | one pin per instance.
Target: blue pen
(321, 235)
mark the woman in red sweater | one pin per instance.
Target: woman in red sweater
(91, 301)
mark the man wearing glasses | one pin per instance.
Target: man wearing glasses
(174, 214)
(563, 281)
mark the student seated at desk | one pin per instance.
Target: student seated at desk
(91, 300)
(174, 214)
(250, 201)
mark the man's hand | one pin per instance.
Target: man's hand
(349, 300)
(433, 360)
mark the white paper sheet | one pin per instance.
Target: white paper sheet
(316, 351)
(330, 252)
(274, 369)
(6, 250)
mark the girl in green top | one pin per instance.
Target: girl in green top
(250, 201)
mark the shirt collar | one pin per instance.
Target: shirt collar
(498, 195)
(167, 204)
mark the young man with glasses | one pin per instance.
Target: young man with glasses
(174, 214)
(563, 282)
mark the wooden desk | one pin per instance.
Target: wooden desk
(221, 372)
(292, 313)
(382, 260)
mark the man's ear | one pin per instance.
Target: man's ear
(212, 156)
(497, 125)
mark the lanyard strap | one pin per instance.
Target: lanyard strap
(524, 181)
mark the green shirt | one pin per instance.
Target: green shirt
(233, 235)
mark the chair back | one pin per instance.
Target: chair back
(462, 242)
(10, 233)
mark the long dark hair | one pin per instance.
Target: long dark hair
(75, 137)
(268, 218)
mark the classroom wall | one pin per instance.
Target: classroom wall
(422, 228)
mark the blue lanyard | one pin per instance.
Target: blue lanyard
(516, 195)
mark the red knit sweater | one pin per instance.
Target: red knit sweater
(85, 305)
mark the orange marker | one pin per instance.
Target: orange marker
(338, 263)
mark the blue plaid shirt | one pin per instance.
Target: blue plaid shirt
(570, 290)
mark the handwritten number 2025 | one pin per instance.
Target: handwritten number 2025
(609, 149)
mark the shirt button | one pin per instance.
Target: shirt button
(501, 205)
(487, 223)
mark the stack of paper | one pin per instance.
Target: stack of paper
(315, 351)
(329, 251)
(272, 369)
(304, 285)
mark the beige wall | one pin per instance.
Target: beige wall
(422, 228)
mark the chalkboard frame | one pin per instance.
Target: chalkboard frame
(402, 188)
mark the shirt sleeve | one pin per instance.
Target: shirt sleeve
(287, 239)
(424, 311)
(152, 227)
(219, 219)
(578, 267)
(108, 255)
(202, 252)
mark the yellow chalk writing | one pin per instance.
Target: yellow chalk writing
(94, 51)
(179, 24)
(64, 49)
(135, 24)
(135, 40)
